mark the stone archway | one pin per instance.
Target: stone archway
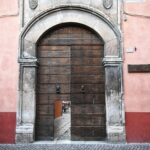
(112, 61)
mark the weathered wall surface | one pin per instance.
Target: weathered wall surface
(44, 5)
(137, 85)
(9, 32)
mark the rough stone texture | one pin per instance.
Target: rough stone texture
(116, 133)
(44, 5)
(24, 133)
(24, 138)
(33, 4)
(102, 26)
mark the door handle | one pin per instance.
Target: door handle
(58, 89)
(83, 89)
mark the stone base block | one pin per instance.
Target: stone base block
(116, 134)
(24, 134)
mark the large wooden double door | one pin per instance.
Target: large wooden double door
(70, 58)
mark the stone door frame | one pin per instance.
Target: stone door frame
(112, 61)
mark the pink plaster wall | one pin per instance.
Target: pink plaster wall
(9, 34)
(137, 34)
(8, 7)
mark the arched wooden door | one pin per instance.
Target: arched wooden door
(70, 56)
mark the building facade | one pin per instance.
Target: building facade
(95, 52)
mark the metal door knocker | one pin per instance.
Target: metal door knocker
(82, 89)
(58, 89)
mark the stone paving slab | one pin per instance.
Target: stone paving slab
(75, 147)
(62, 127)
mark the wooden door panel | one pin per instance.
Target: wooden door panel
(54, 61)
(85, 48)
(45, 109)
(54, 54)
(45, 133)
(48, 99)
(87, 92)
(92, 79)
(51, 88)
(88, 120)
(61, 96)
(51, 48)
(52, 70)
(76, 36)
(45, 123)
(87, 109)
(55, 70)
(87, 70)
(88, 98)
(45, 120)
(77, 53)
(86, 61)
(88, 133)
(53, 79)
(69, 41)
(88, 88)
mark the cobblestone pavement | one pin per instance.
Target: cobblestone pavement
(76, 147)
(65, 136)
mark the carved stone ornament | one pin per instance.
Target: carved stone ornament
(107, 3)
(33, 4)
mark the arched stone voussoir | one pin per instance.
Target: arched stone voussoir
(96, 21)
(112, 48)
